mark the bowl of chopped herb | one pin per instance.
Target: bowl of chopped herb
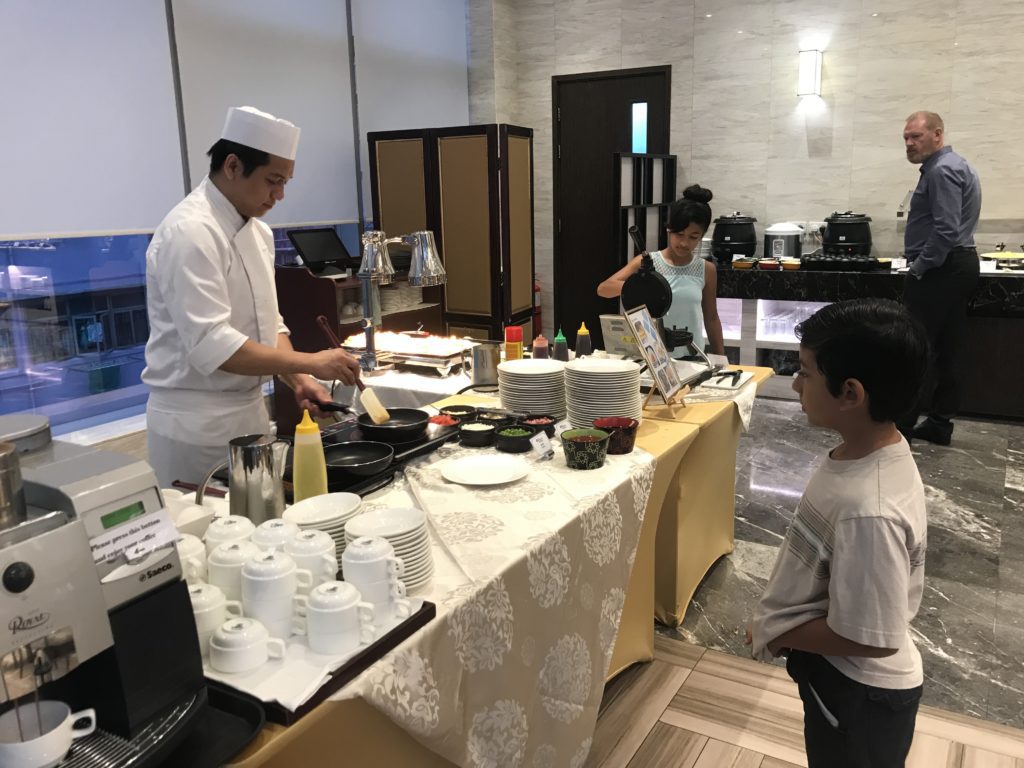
(514, 439)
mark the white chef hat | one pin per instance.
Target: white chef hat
(262, 131)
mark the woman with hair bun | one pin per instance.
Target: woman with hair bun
(693, 280)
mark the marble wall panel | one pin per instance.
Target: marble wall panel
(482, 87)
(911, 25)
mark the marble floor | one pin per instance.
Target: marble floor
(970, 628)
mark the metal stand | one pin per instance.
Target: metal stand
(368, 360)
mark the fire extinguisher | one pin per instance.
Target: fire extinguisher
(536, 309)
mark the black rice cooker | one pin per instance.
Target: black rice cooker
(846, 234)
(734, 235)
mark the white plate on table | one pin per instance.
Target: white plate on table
(393, 521)
(485, 470)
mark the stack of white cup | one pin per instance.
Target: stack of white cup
(314, 551)
(269, 582)
(370, 565)
(334, 619)
(192, 553)
(224, 566)
(211, 609)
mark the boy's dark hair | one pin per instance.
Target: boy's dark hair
(691, 208)
(875, 341)
(251, 158)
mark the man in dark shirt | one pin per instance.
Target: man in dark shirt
(943, 265)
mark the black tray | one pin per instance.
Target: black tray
(346, 673)
(224, 728)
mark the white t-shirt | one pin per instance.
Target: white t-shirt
(854, 553)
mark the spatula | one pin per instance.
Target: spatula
(378, 413)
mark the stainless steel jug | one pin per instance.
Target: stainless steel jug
(256, 476)
(256, 465)
(482, 360)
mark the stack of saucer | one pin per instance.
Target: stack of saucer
(329, 512)
(598, 387)
(406, 530)
(533, 386)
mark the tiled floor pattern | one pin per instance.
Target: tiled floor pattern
(698, 708)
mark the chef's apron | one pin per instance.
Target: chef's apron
(188, 430)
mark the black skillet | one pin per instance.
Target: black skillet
(646, 285)
(358, 457)
(405, 425)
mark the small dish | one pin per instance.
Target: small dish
(445, 420)
(769, 264)
(540, 421)
(514, 438)
(463, 413)
(622, 431)
(476, 435)
(494, 419)
(585, 448)
(743, 263)
(791, 263)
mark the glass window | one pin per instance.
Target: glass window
(639, 128)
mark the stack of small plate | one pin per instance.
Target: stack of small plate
(533, 386)
(406, 529)
(328, 512)
(598, 387)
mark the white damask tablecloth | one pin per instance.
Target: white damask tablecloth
(529, 590)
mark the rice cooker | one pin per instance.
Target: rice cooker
(782, 241)
(734, 235)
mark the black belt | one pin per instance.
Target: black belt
(964, 249)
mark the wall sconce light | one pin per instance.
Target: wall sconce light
(809, 83)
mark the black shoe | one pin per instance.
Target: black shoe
(932, 430)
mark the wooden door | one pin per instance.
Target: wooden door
(592, 116)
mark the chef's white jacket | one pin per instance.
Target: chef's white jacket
(210, 286)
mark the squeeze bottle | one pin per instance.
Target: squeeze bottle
(309, 468)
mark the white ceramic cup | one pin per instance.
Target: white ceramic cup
(228, 528)
(241, 645)
(315, 551)
(274, 534)
(336, 620)
(192, 553)
(58, 730)
(269, 582)
(210, 609)
(224, 566)
(369, 559)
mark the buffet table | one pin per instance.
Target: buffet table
(360, 729)
(497, 675)
(696, 526)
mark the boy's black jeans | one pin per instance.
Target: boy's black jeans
(875, 725)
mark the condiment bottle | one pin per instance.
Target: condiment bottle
(560, 351)
(309, 470)
(540, 347)
(514, 342)
(583, 343)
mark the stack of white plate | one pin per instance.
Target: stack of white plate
(328, 512)
(598, 387)
(532, 386)
(406, 529)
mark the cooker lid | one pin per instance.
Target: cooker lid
(784, 228)
(848, 217)
(735, 218)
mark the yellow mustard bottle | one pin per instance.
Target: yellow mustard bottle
(309, 468)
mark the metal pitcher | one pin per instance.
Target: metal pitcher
(256, 466)
(483, 360)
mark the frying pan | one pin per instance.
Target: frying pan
(646, 285)
(404, 425)
(359, 457)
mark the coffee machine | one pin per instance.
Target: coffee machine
(90, 565)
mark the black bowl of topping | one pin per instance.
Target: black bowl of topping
(514, 438)
(476, 435)
(540, 421)
(494, 419)
(463, 413)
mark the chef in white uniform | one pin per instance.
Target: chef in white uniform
(215, 331)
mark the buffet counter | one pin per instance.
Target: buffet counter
(681, 484)
(990, 385)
